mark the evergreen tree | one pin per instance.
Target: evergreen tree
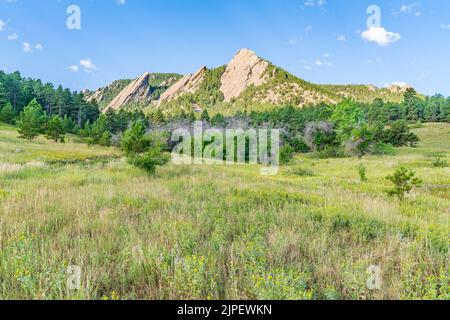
(55, 129)
(142, 150)
(412, 106)
(205, 116)
(31, 120)
(7, 114)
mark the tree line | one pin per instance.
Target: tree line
(348, 128)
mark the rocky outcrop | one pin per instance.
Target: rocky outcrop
(137, 91)
(244, 70)
(398, 87)
(98, 96)
(187, 84)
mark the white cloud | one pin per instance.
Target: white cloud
(87, 65)
(121, 2)
(292, 42)
(13, 36)
(380, 36)
(74, 68)
(2, 25)
(27, 47)
(341, 38)
(39, 47)
(445, 26)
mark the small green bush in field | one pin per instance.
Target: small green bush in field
(404, 181)
(150, 159)
(286, 154)
(439, 162)
(340, 223)
(142, 150)
(362, 173)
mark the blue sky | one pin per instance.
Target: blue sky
(320, 41)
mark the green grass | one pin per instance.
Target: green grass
(215, 232)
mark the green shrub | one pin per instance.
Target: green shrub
(150, 159)
(404, 181)
(383, 149)
(105, 140)
(439, 162)
(143, 150)
(340, 223)
(286, 154)
(362, 173)
(7, 114)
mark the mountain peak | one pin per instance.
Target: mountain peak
(245, 69)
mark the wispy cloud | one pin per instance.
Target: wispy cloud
(13, 36)
(411, 9)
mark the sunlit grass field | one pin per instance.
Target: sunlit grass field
(220, 232)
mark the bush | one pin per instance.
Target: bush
(105, 140)
(383, 149)
(142, 150)
(362, 173)
(404, 181)
(340, 223)
(299, 145)
(439, 162)
(150, 159)
(286, 154)
(399, 135)
(330, 152)
(7, 114)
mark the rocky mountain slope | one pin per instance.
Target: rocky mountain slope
(139, 92)
(247, 82)
(187, 84)
(104, 96)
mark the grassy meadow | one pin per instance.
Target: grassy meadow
(220, 232)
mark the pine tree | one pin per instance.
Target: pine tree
(205, 116)
(412, 105)
(31, 120)
(55, 129)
